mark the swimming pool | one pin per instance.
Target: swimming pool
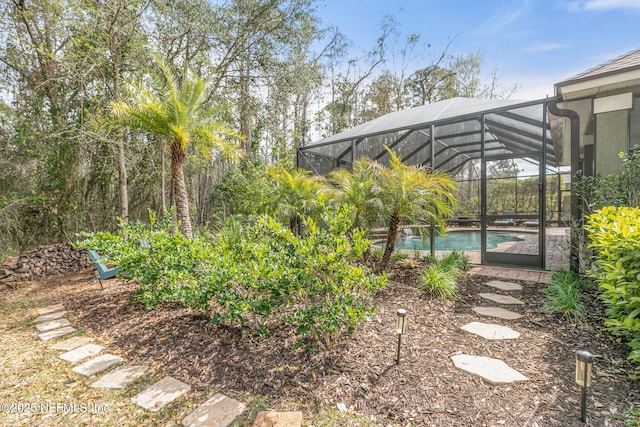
(468, 240)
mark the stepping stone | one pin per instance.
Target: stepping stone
(81, 353)
(56, 333)
(491, 332)
(504, 286)
(50, 316)
(278, 419)
(53, 324)
(160, 394)
(97, 364)
(501, 299)
(498, 312)
(51, 309)
(71, 343)
(493, 371)
(219, 411)
(121, 376)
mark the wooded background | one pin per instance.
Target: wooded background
(281, 76)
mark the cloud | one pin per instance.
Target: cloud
(544, 47)
(611, 4)
(505, 16)
(598, 5)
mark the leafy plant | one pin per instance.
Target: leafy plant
(440, 278)
(634, 419)
(297, 195)
(399, 256)
(257, 276)
(411, 193)
(175, 108)
(614, 234)
(440, 282)
(456, 260)
(563, 296)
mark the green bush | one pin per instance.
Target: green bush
(169, 270)
(439, 282)
(306, 282)
(563, 296)
(440, 278)
(255, 276)
(455, 260)
(614, 234)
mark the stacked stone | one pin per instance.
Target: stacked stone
(42, 261)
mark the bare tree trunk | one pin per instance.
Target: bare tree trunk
(181, 196)
(163, 181)
(122, 164)
(122, 181)
(394, 222)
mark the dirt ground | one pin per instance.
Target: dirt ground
(425, 389)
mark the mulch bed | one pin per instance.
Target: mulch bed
(424, 389)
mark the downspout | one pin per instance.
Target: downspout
(576, 208)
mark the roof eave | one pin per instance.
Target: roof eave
(602, 83)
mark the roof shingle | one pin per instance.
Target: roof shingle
(625, 62)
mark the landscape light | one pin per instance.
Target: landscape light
(400, 317)
(584, 366)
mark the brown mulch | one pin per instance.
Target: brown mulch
(424, 389)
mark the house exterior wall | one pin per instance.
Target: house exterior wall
(612, 137)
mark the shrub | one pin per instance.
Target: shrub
(255, 276)
(456, 260)
(614, 234)
(440, 278)
(306, 282)
(563, 296)
(439, 282)
(399, 256)
(169, 270)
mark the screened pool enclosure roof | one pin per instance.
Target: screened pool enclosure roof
(510, 128)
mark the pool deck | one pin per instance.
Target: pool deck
(508, 273)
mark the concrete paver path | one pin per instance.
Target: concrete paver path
(491, 332)
(493, 371)
(121, 377)
(80, 353)
(498, 312)
(51, 309)
(501, 299)
(219, 411)
(97, 364)
(50, 316)
(160, 394)
(52, 324)
(56, 333)
(71, 343)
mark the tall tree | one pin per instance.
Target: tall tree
(449, 77)
(175, 109)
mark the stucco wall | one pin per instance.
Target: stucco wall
(612, 137)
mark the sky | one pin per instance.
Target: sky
(531, 43)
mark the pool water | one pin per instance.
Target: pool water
(459, 240)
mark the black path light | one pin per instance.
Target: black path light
(584, 366)
(400, 317)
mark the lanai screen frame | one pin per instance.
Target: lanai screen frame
(462, 129)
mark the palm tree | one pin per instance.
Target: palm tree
(412, 193)
(357, 188)
(175, 109)
(297, 195)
